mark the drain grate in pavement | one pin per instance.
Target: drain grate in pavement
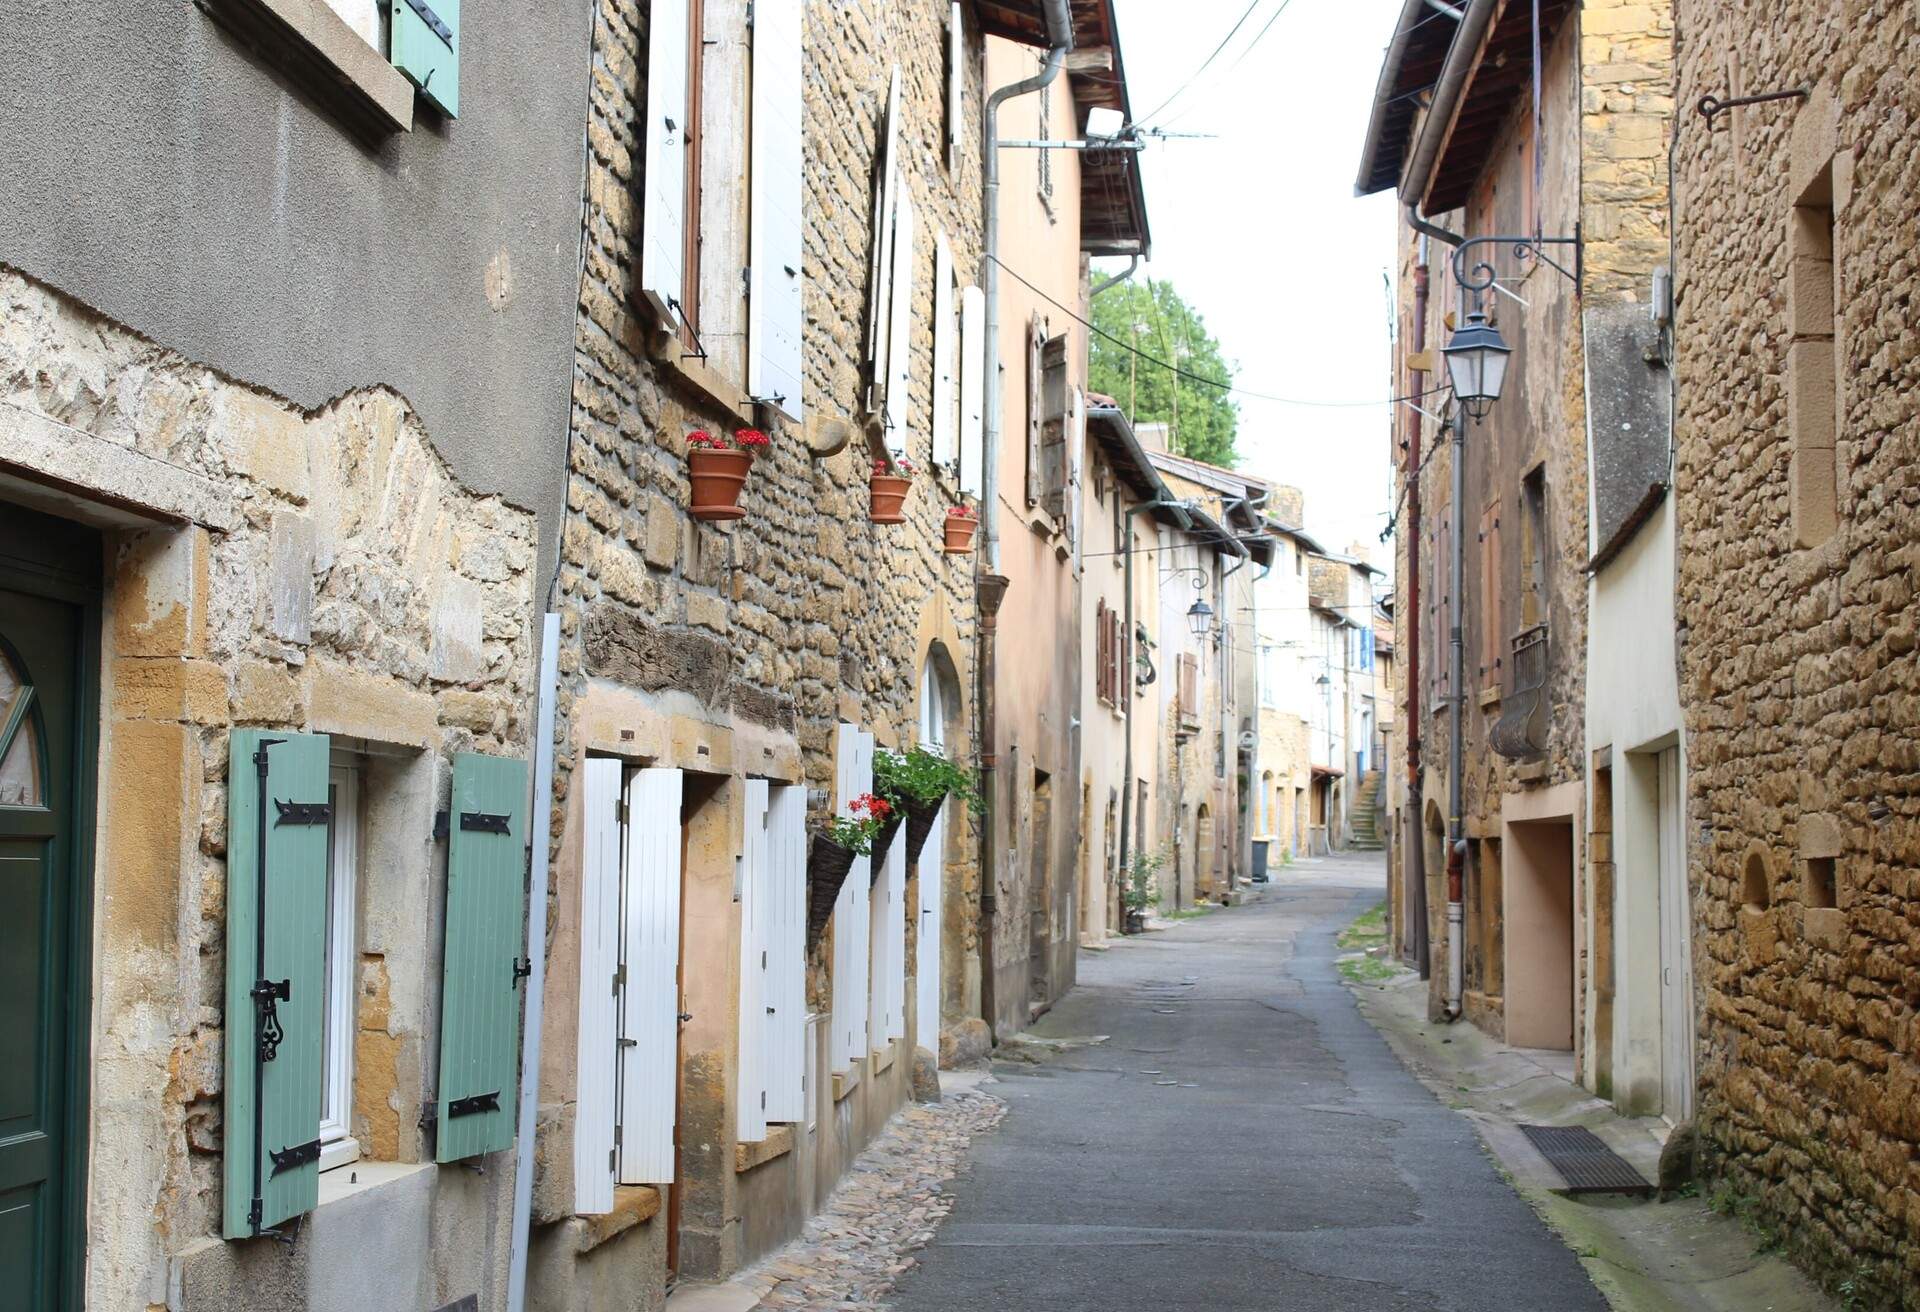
(1584, 1161)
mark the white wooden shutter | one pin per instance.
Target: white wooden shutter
(594, 1079)
(786, 953)
(887, 1015)
(973, 387)
(880, 266)
(932, 870)
(650, 999)
(853, 775)
(900, 328)
(774, 311)
(956, 86)
(946, 389)
(750, 1115)
(664, 138)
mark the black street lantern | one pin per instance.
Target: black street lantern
(1477, 364)
(1200, 618)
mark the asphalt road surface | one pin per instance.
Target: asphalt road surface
(1242, 1138)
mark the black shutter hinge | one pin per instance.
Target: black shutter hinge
(434, 22)
(289, 1159)
(266, 993)
(484, 822)
(522, 967)
(474, 1105)
(440, 826)
(302, 813)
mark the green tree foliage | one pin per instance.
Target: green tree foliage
(1152, 317)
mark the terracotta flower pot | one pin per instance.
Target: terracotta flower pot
(920, 818)
(828, 865)
(889, 493)
(960, 531)
(718, 477)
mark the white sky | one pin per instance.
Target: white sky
(1261, 232)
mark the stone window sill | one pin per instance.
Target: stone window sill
(846, 1081)
(356, 1178)
(327, 58)
(778, 1143)
(695, 374)
(632, 1204)
(883, 1057)
(1489, 697)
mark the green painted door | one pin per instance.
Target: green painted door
(45, 733)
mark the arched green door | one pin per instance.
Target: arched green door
(46, 713)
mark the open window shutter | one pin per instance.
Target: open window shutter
(853, 770)
(1075, 443)
(276, 949)
(425, 40)
(1036, 349)
(756, 905)
(1101, 665)
(946, 383)
(900, 325)
(480, 969)
(774, 311)
(886, 184)
(973, 387)
(786, 954)
(1055, 402)
(649, 964)
(886, 1016)
(595, 1081)
(956, 86)
(1492, 623)
(663, 134)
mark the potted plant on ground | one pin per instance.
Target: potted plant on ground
(887, 489)
(919, 782)
(832, 854)
(718, 469)
(961, 525)
(1139, 891)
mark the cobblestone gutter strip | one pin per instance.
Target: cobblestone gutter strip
(886, 1209)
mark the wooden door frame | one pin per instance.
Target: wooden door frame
(39, 577)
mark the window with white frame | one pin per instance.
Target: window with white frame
(337, 1144)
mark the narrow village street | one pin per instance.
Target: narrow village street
(1239, 1138)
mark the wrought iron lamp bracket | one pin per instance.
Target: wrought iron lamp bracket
(1480, 276)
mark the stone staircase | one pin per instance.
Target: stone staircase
(1366, 815)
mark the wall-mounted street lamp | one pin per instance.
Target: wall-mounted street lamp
(1200, 618)
(1476, 358)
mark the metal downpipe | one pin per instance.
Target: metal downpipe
(1456, 804)
(1060, 34)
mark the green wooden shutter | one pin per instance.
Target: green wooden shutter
(272, 1111)
(480, 983)
(426, 47)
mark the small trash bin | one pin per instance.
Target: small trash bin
(1260, 860)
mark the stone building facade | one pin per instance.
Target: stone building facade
(307, 515)
(769, 655)
(1796, 550)
(1483, 161)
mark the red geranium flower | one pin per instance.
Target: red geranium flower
(748, 437)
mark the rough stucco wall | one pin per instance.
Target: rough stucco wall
(361, 591)
(439, 264)
(801, 614)
(1799, 678)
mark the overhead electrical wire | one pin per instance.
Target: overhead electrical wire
(1182, 88)
(1188, 374)
(1245, 51)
